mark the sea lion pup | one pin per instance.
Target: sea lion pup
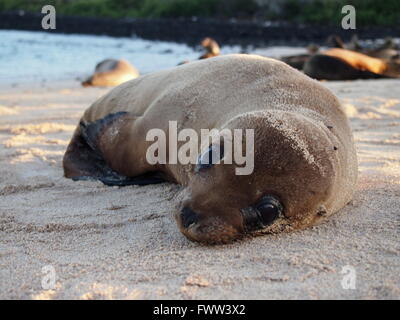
(305, 165)
(342, 64)
(111, 73)
(212, 48)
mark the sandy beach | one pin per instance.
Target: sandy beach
(122, 243)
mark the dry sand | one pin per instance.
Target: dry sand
(123, 243)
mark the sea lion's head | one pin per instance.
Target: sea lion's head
(295, 160)
(87, 82)
(393, 68)
(210, 45)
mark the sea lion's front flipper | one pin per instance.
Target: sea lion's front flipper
(84, 159)
(114, 179)
(142, 180)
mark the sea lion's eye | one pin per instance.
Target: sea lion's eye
(269, 209)
(263, 214)
(211, 156)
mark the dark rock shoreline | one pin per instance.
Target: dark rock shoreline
(190, 31)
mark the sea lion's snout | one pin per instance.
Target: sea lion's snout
(188, 217)
(228, 226)
(206, 226)
(224, 226)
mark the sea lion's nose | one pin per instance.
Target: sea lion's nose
(188, 217)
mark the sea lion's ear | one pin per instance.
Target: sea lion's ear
(114, 179)
(87, 82)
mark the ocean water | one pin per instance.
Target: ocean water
(32, 56)
(27, 56)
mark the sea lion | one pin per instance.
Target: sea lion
(386, 51)
(384, 54)
(335, 41)
(298, 61)
(212, 48)
(342, 64)
(305, 165)
(110, 73)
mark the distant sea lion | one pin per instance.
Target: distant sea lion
(335, 41)
(110, 73)
(342, 64)
(384, 54)
(305, 165)
(298, 61)
(387, 51)
(212, 48)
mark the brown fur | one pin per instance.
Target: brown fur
(212, 48)
(111, 73)
(363, 62)
(358, 60)
(304, 151)
(387, 51)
